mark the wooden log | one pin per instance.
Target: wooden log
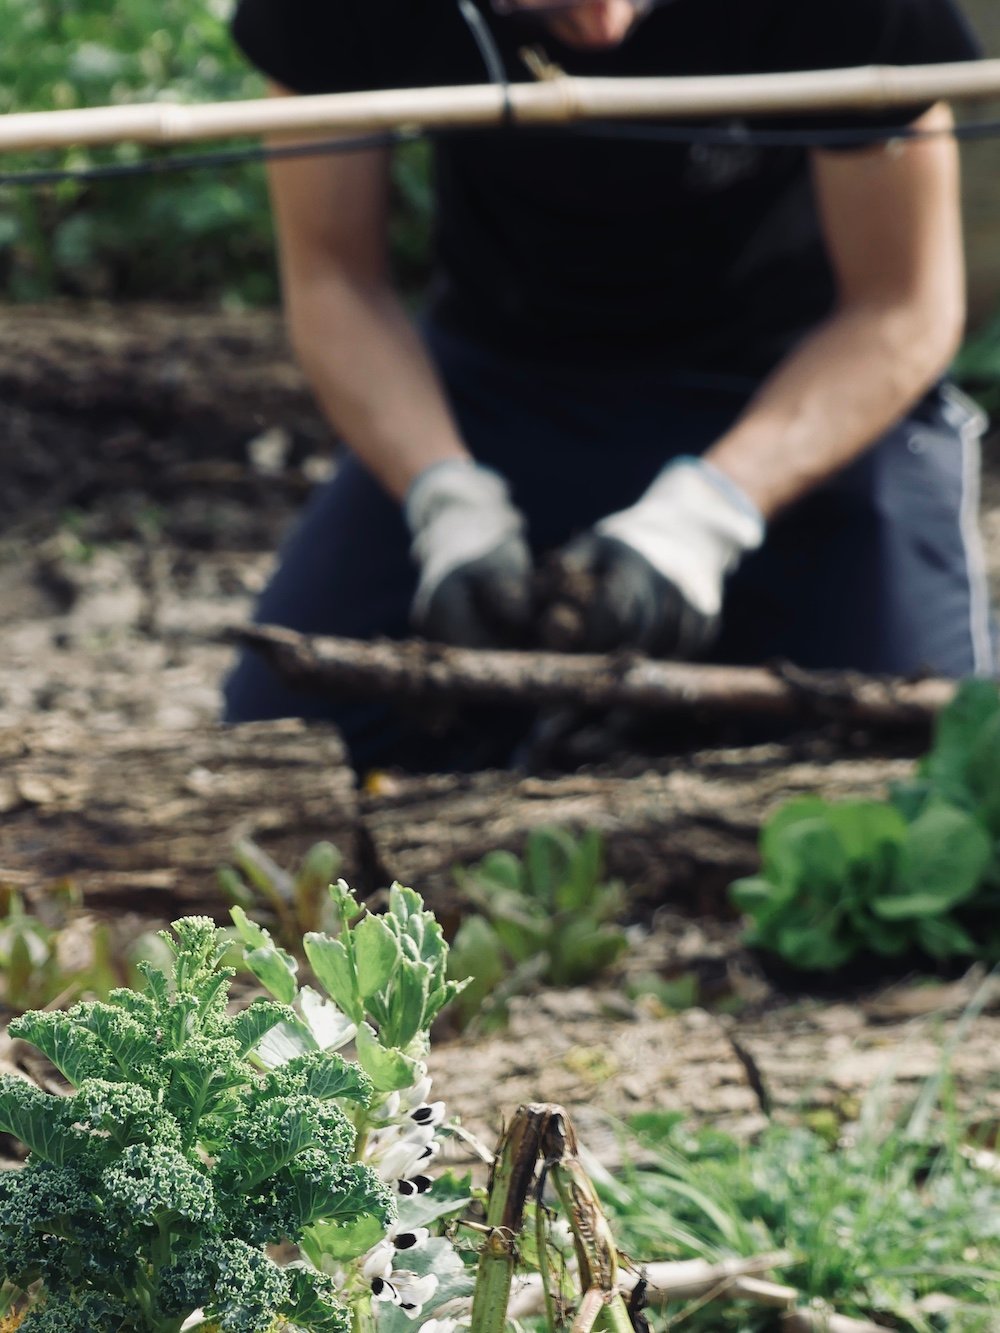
(143, 819)
(219, 378)
(677, 836)
(432, 673)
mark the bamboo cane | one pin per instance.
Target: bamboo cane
(559, 100)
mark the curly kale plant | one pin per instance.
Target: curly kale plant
(152, 1192)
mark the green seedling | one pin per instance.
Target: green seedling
(544, 918)
(57, 958)
(888, 1215)
(290, 905)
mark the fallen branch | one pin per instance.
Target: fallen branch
(819, 1321)
(686, 1280)
(429, 673)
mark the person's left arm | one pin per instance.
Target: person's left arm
(652, 576)
(892, 223)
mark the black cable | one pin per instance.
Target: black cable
(726, 135)
(153, 166)
(496, 70)
(742, 135)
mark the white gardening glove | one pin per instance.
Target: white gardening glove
(651, 577)
(475, 566)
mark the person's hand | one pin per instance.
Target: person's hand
(651, 577)
(475, 566)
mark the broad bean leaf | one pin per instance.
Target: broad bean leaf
(455, 1282)
(275, 969)
(334, 968)
(408, 1004)
(376, 955)
(448, 1196)
(284, 1042)
(390, 1070)
(329, 1025)
(341, 1241)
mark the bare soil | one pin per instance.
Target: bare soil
(151, 461)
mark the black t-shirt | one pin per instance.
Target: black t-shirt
(577, 243)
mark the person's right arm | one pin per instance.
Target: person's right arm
(380, 391)
(348, 328)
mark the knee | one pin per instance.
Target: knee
(252, 693)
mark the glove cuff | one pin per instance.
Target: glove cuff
(460, 482)
(693, 525)
(707, 495)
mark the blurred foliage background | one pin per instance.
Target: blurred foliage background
(198, 235)
(205, 236)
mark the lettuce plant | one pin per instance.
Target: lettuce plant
(918, 872)
(152, 1192)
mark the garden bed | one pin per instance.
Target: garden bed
(151, 462)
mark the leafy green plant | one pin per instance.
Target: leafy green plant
(290, 905)
(196, 235)
(59, 956)
(920, 871)
(153, 1190)
(544, 917)
(893, 1220)
(977, 367)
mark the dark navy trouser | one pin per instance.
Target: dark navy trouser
(880, 570)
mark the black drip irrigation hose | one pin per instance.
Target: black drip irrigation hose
(732, 135)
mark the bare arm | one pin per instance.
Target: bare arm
(364, 360)
(891, 218)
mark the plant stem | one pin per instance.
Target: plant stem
(596, 1252)
(510, 1180)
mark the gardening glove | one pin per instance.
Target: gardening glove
(651, 577)
(475, 567)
